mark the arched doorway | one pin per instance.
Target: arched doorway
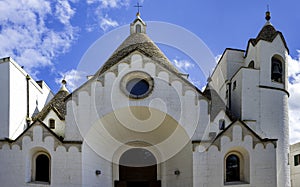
(138, 167)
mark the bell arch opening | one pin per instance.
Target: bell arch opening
(277, 70)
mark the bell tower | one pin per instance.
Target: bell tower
(267, 103)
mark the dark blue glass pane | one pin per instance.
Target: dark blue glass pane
(137, 86)
(232, 168)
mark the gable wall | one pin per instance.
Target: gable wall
(171, 99)
(104, 95)
(259, 161)
(59, 124)
(17, 159)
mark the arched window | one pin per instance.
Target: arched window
(42, 168)
(138, 28)
(232, 168)
(237, 166)
(277, 70)
(52, 123)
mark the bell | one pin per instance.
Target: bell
(276, 70)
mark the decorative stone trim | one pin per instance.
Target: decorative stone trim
(136, 75)
(58, 141)
(273, 88)
(246, 131)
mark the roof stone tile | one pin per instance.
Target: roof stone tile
(138, 42)
(57, 104)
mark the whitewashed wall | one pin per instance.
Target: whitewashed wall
(4, 95)
(259, 161)
(13, 79)
(295, 170)
(59, 124)
(93, 105)
(272, 110)
(17, 160)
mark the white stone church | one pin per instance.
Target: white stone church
(138, 121)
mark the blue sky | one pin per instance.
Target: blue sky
(49, 38)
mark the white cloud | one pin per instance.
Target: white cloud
(26, 33)
(90, 27)
(63, 11)
(110, 3)
(183, 65)
(107, 23)
(100, 9)
(294, 100)
(73, 77)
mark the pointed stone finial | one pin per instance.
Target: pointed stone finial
(268, 14)
(64, 83)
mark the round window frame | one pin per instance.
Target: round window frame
(136, 75)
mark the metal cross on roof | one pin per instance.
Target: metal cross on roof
(138, 6)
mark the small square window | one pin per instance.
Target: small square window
(52, 124)
(297, 160)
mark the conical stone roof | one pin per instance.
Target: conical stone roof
(57, 104)
(268, 33)
(138, 42)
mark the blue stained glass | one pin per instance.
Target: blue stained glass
(137, 86)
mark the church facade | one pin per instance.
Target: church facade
(138, 121)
